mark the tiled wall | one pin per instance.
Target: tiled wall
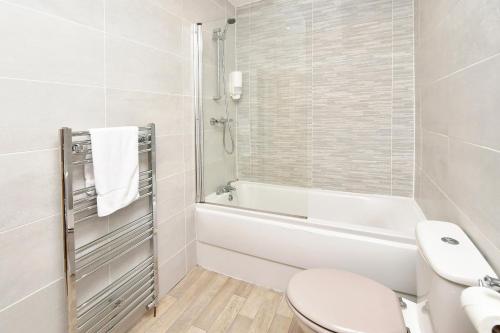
(328, 94)
(458, 140)
(88, 64)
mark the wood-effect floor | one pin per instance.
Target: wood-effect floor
(207, 302)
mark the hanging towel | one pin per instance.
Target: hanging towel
(115, 167)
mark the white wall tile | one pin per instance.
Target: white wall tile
(203, 11)
(34, 112)
(190, 224)
(172, 6)
(139, 108)
(53, 74)
(172, 237)
(32, 257)
(89, 12)
(191, 254)
(170, 157)
(145, 22)
(456, 70)
(131, 66)
(170, 196)
(44, 312)
(172, 272)
(29, 187)
(39, 47)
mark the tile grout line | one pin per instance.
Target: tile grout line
(145, 45)
(40, 220)
(29, 152)
(450, 200)
(463, 69)
(93, 86)
(447, 136)
(32, 293)
(53, 16)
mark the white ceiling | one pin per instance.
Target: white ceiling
(238, 3)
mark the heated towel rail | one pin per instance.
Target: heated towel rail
(133, 291)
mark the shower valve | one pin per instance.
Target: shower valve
(219, 122)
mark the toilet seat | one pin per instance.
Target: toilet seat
(329, 300)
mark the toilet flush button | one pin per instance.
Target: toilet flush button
(450, 240)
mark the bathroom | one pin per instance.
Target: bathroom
(301, 166)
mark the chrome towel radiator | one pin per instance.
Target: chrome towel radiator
(132, 292)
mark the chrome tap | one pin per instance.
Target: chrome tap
(221, 189)
(490, 282)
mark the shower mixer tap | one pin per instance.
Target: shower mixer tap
(219, 122)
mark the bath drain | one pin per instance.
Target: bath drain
(450, 240)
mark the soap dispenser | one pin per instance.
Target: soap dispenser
(235, 85)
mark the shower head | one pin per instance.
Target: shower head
(230, 21)
(221, 35)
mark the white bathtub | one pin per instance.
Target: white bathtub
(367, 234)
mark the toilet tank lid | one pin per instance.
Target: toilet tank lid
(460, 262)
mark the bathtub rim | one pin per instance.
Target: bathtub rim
(317, 190)
(372, 233)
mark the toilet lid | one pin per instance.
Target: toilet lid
(345, 302)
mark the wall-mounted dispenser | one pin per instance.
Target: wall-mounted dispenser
(235, 85)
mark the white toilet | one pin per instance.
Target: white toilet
(328, 300)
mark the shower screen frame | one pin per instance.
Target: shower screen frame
(197, 48)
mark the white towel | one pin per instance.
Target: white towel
(115, 167)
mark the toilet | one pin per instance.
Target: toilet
(330, 300)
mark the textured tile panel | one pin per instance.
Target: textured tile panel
(328, 99)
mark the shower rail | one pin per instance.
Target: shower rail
(135, 289)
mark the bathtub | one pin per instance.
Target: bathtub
(372, 235)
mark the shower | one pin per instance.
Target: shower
(219, 36)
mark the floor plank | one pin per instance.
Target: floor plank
(254, 302)
(241, 324)
(228, 314)
(186, 282)
(244, 289)
(194, 329)
(148, 320)
(284, 309)
(266, 312)
(192, 292)
(280, 324)
(207, 302)
(217, 305)
(197, 305)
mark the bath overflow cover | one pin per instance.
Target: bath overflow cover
(450, 240)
